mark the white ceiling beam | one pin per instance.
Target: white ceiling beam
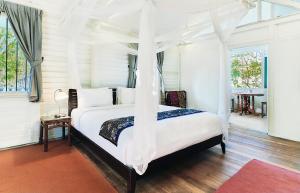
(167, 46)
(115, 10)
(216, 26)
(38, 4)
(75, 21)
(114, 36)
(198, 39)
(288, 3)
(69, 11)
(169, 36)
(110, 27)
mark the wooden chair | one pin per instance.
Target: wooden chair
(175, 98)
(232, 105)
(264, 109)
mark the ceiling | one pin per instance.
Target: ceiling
(175, 21)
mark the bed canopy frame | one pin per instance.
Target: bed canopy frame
(155, 25)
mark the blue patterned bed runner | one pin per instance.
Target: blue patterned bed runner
(112, 129)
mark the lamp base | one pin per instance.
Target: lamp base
(60, 115)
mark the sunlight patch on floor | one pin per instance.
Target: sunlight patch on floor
(249, 122)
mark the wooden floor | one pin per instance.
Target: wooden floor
(206, 171)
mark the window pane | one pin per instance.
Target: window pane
(14, 68)
(21, 71)
(281, 11)
(266, 10)
(247, 67)
(11, 60)
(2, 52)
(251, 17)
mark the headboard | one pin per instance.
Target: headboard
(73, 101)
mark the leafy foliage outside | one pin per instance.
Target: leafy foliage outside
(246, 70)
(16, 61)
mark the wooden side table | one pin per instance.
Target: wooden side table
(50, 122)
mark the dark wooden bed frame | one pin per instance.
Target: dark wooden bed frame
(126, 172)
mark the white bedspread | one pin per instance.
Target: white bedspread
(172, 134)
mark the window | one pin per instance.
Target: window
(267, 11)
(14, 68)
(249, 68)
(251, 17)
(281, 11)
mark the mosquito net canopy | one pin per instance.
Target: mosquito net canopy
(155, 25)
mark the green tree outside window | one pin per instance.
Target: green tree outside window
(246, 69)
(17, 69)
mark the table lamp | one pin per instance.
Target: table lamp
(60, 97)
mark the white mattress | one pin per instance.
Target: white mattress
(172, 134)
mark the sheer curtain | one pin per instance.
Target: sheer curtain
(224, 20)
(147, 86)
(147, 75)
(147, 94)
(74, 68)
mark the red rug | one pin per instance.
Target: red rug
(61, 170)
(260, 177)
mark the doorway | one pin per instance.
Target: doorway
(249, 82)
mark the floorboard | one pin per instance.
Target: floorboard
(205, 171)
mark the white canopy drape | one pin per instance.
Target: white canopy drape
(74, 68)
(147, 95)
(224, 22)
(165, 23)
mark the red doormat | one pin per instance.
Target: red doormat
(260, 177)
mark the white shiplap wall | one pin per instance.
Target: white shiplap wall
(110, 67)
(55, 66)
(19, 118)
(84, 53)
(171, 69)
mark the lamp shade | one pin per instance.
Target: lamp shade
(60, 96)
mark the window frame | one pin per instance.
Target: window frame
(263, 73)
(259, 14)
(18, 90)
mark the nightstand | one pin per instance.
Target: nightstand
(50, 122)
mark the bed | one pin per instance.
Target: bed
(172, 136)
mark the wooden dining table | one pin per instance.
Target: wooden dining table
(244, 103)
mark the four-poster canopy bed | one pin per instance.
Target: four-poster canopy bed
(162, 24)
(115, 161)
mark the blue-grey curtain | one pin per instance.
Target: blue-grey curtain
(160, 62)
(132, 65)
(26, 23)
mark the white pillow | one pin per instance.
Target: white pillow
(95, 97)
(126, 95)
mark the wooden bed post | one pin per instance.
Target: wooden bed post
(223, 146)
(131, 180)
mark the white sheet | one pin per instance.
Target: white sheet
(172, 134)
